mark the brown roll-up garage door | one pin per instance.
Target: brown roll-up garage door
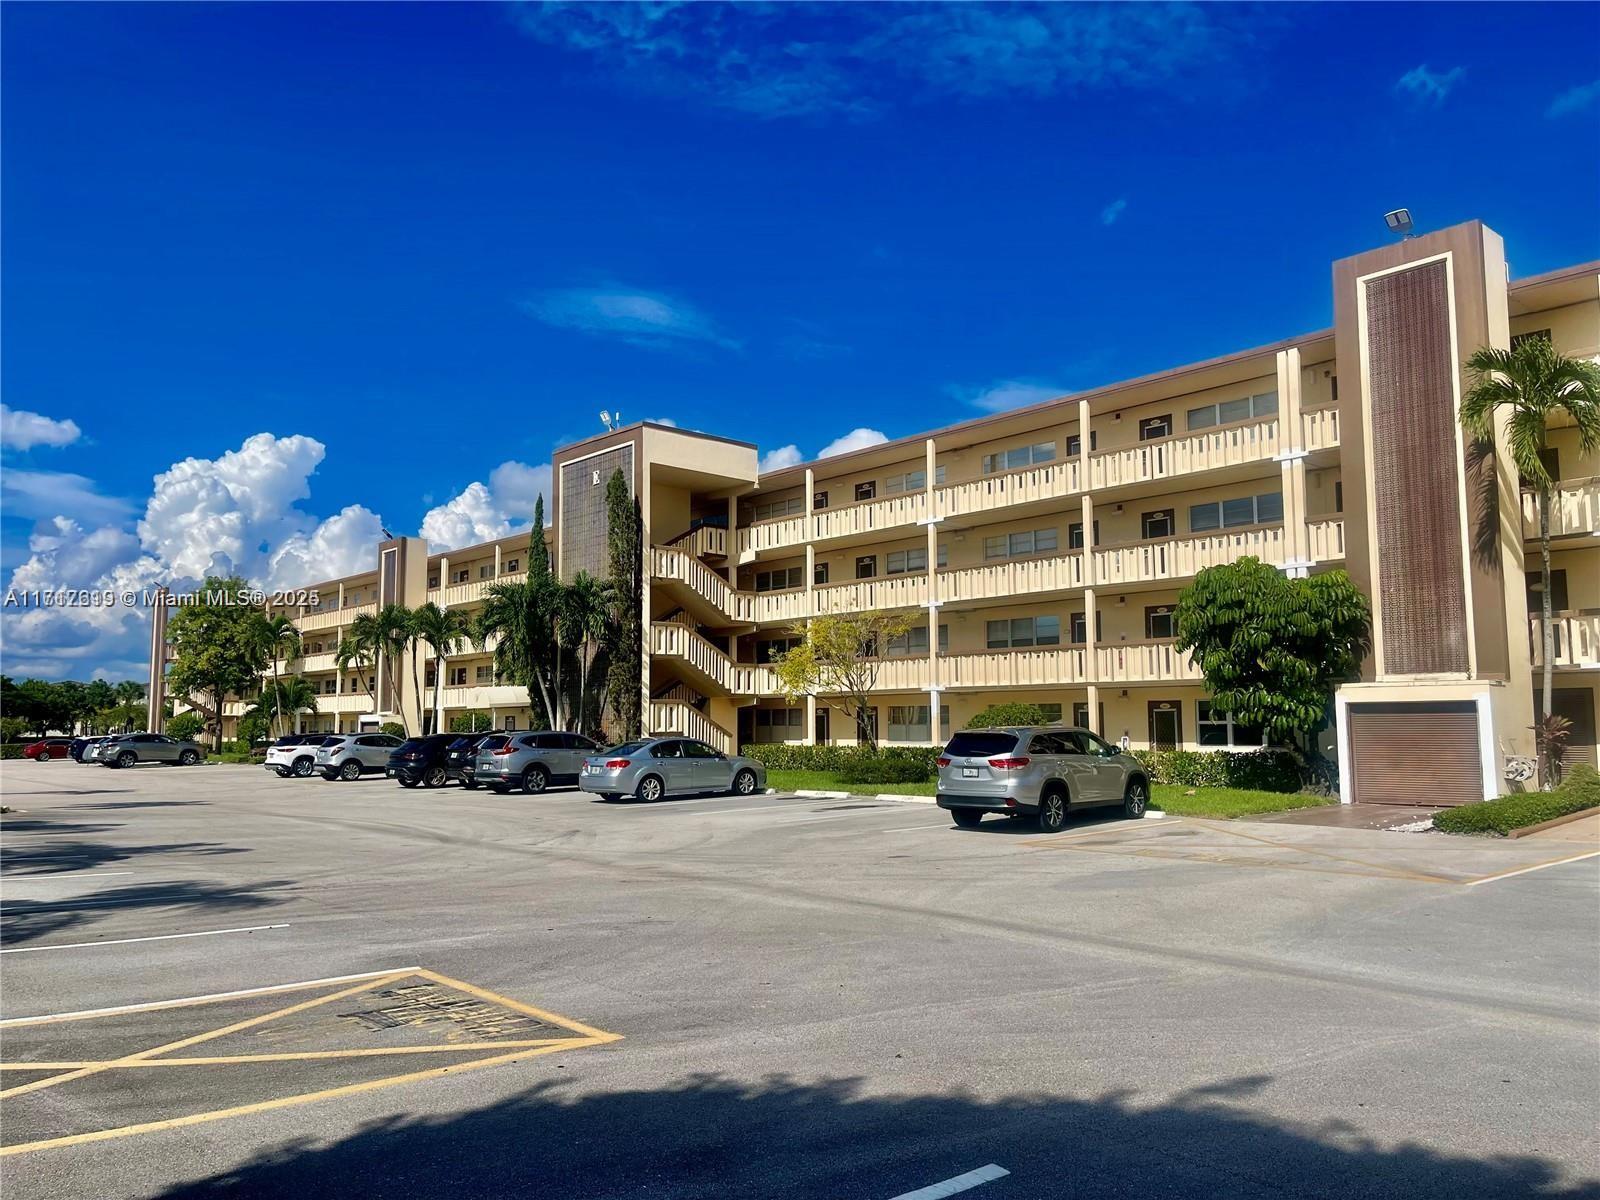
(1415, 753)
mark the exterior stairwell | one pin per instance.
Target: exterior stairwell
(674, 716)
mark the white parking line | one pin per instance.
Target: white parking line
(956, 1183)
(160, 937)
(1536, 867)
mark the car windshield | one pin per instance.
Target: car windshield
(411, 744)
(627, 749)
(332, 741)
(980, 744)
(493, 743)
(293, 739)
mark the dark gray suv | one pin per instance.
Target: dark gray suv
(1040, 771)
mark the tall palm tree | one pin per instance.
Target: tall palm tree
(1533, 383)
(582, 622)
(360, 647)
(294, 695)
(444, 630)
(280, 639)
(520, 618)
(393, 622)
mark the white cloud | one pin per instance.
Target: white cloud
(653, 320)
(783, 456)
(778, 61)
(482, 512)
(1110, 213)
(1427, 86)
(667, 421)
(1574, 99)
(1007, 394)
(43, 495)
(21, 430)
(856, 439)
(341, 545)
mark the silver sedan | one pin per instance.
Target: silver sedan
(669, 766)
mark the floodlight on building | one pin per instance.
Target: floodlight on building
(1399, 221)
(605, 419)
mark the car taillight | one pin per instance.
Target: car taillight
(942, 761)
(616, 764)
(1008, 764)
(504, 750)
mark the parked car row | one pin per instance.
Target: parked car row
(118, 750)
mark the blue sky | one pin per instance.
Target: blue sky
(418, 245)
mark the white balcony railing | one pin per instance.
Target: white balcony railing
(671, 716)
(1181, 557)
(1013, 668)
(1049, 482)
(1577, 641)
(486, 695)
(1327, 539)
(1320, 428)
(332, 618)
(1014, 578)
(1574, 509)
(1184, 455)
(1142, 662)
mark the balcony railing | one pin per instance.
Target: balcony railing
(703, 541)
(1327, 539)
(452, 595)
(484, 695)
(1179, 558)
(1142, 662)
(1051, 482)
(1014, 578)
(1184, 455)
(1574, 509)
(1013, 668)
(675, 717)
(1577, 641)
(1320, 428)
(332, 618)
(679, 566)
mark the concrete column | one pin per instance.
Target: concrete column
(1292, 455)
(1085, 444)
(1089, 611)
(444, 580)
(341, 596)
(1094, 711)
(931, 459)
(496, 562)
(1087, 517)
(811, 573)
(811, 721)
(934, 737)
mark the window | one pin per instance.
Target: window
(1023, 632)
(1518, 339)
(511, 724)
(461, 576)
(1338, 496)
(1227, 412)
(1159, 623)
(944, 722)
(913, 643)
(944, 639)
(766, 510)
(1080, 713)
(780, 579)
(1219, 729)
(1151, 428)
(433, 581)
(458, 677)
(1245, 510)
(768, 649)
(901, 561)
(1027, 541)
(1333, 382)
(819, 573)
(485, 571)
(944, 555)
(911, 481)
(513, 565)
(780, 724)
(1018, 457)
(485, 674)
(819, 499)
(1159, 524)
(909, 723)
(1075, 443)
(1558, 592)
(1075, 535)
(867, 490)
(330, 687)
(866, 566)
(1078, 628)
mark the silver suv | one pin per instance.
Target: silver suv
(138, 748)
(1045, 771)
(530, 761)
(352, 755)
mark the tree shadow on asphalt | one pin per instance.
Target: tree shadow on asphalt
(120, 804)
(61, 857)
(28, 920)
(713, 1136)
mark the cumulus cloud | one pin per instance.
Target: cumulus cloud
(1006, 394)
(341, 545)
(1427, 86)
(776, 61)
(783, 456)
(482, 512)
(20, 430)
(1110, 213)
(856, 439)
(1574, 100)
(654, 320)
(44, 495)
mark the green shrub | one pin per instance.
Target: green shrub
(999, 715)
(1580, 790)
(1255, 770)
(779, 757)
(890, 766)
(472, 721)
(11, 750)
(393, 729)
(186, 726)
(236, 747)
(232, 756)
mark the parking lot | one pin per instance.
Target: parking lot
(219, 982)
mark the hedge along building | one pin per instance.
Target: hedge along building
(1043, 549)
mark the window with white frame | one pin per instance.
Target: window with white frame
(1014, 545)
(511, 724)
(780, 724)
(911, 481)
(1151, 428)
(909, 723)
(1162, 523)
(1228, 412)
(1022, 632)
(913, 643)
(766, 510)
(899, 562)
(1018, 457)
(463, 575)
(1217, 728)
(1242, 510)
(866, 490)
(484, 674)
(780, 579)
(486, 571)
(458, 677)
(867, 566)
(1160, 622)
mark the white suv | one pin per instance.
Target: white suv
(295, 754)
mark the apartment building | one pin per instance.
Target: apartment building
(1042, 550)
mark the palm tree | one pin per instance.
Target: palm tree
(1532, 382)
(582, 621)
(393, 623)
(296, 694)
(444, 630)
(360, 647)
(520, 618)
(280, 639)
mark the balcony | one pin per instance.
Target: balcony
(1327, 539)
(453, 595)
(1011, 579)
(1320, 428)
(306, 664)
(1055, 481)
(1055, 667)
(1179, 558)
(1184, 455)
(1577, 642)
(1142, 662)
(671, 716)
(332, 618)
(1574, 509)
(487, 695)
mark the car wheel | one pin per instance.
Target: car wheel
(434, 777)
(127, 758)
(1053, 811)
(535, 779)
(967, 818)
(188, 758)
(1136, 800)
(649, 788)
(304, 766)
(744, 783)
(351, 769)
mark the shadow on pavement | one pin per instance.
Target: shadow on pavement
(26, 920)
(58, 857)
(712, 1136)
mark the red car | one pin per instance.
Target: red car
(48, 748)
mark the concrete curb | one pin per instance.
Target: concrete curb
(812, 794)
(1552, 823)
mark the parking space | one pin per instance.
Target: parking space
(218, 982)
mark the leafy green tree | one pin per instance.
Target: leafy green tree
(474, 720)
(837, 661)
(393, 729)
(583, 620)
(1000, 715)
(98, 694)
(1528, 385)
(444, 630)
(1271, 648)
(12, 729)
(253, 728)
(520, 617)
(624, 644)
(40, 703)
(123, 718)
(218, 650)
(281, 640)
(279, 706)
(186, 726)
